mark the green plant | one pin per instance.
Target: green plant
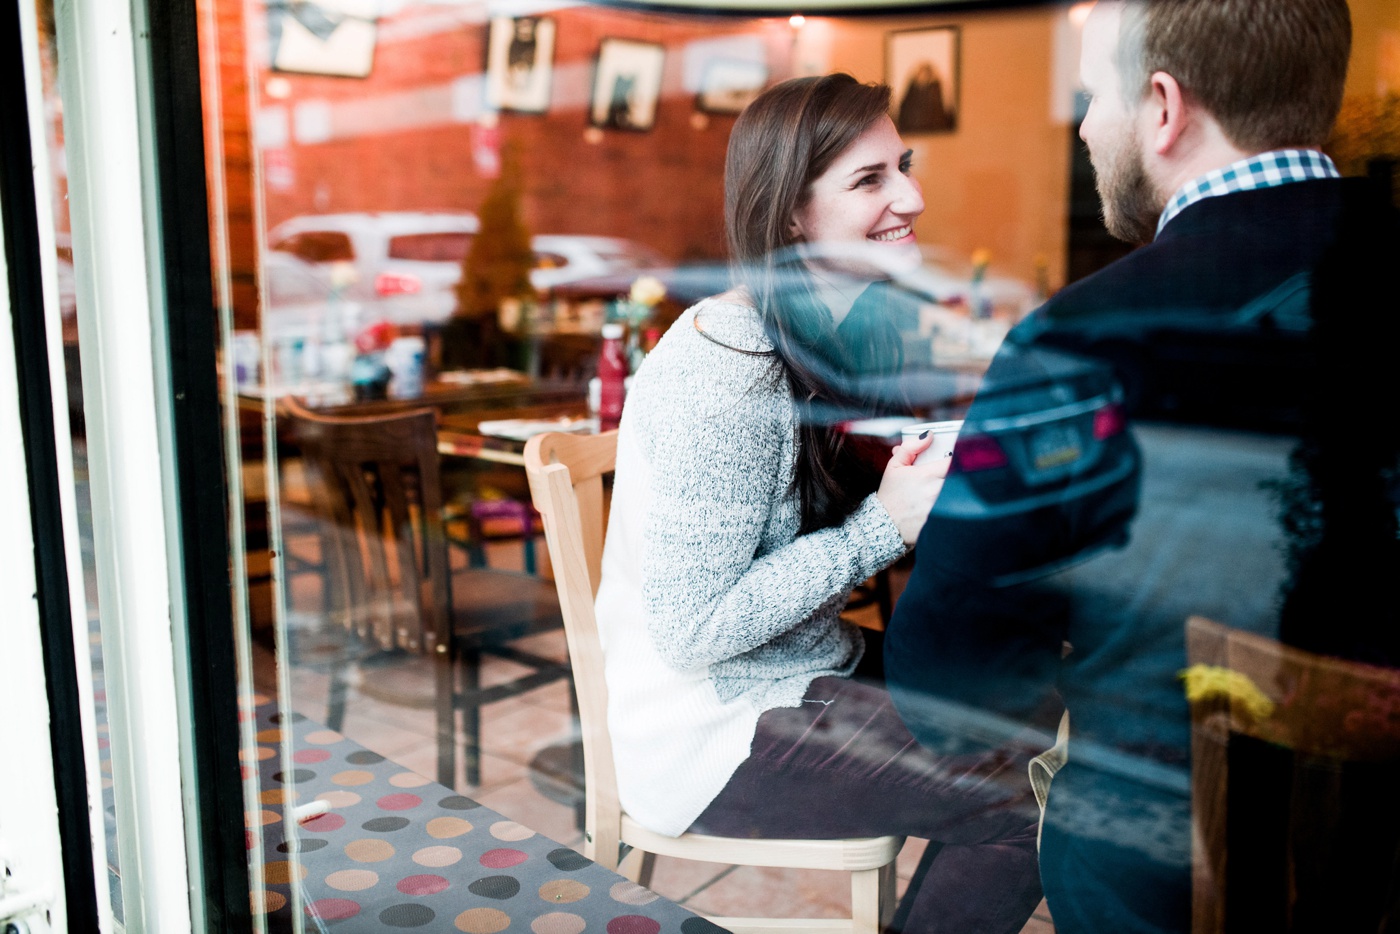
(497, 267)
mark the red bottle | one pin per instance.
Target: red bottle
(612, 372)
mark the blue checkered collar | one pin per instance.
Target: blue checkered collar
(1276, 167)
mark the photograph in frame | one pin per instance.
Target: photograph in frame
(730, 84)
(323, 37)
(921, 67)
(520, 63)
(626, 85)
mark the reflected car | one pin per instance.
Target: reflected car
(1045, 472)
(301, 304)
(407, 263)
(936, 279)
(1046, 454)
(561, 259)
(1241, 367)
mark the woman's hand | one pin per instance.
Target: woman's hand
(907, 490)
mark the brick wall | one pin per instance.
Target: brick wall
(229, 154)
(663, 187)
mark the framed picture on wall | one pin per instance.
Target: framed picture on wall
(323, 37)
(626, 85)
(922, 67)
(519, 63)
(729, 84)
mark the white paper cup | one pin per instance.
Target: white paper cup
(944, 434)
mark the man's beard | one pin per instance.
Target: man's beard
(1131, 206)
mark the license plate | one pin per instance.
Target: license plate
(1055, 446)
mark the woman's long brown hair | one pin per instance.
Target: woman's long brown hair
(783, 141)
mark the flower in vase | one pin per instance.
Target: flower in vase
(647, 291)
(981, 259)
(1209, 682)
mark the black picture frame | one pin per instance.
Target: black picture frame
(322, 37)
(923, 67)
(626, 85)
(520, 63)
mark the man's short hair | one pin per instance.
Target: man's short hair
(1271, 72)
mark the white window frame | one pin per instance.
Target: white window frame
(30, 844)
(125, 367)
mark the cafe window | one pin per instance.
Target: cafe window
(422, 223)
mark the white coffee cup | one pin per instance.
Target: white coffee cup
(944, 435)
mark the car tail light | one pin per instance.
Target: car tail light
(396, 283)
(1109, 421)
(977, 452)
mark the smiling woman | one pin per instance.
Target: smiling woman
(867, 196)
(741, 521)
(799, 230)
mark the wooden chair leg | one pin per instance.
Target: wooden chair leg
(446, 719)
(476, 554)
(867, 902)
(638, 866)
(527, 537)
(335, 705)
(576, 766)
(888, 878)
(471, 715)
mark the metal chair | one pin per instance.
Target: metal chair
(376, 489)
(566, 481)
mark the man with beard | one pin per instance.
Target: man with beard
(1204, 127)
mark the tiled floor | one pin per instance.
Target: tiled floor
(518, 730)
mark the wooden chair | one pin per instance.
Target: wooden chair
(1295, 770)
(376, 488)
(566, 481)
(483, 521)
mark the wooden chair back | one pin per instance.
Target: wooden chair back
(375, 486)
(566, 482)
(569, 357)
(1302, 716)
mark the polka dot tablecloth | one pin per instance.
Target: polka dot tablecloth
(397, 851)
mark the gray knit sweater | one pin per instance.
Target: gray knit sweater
(712, 609)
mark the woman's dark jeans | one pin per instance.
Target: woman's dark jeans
(843, 765)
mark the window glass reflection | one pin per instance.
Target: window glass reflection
(443, 207)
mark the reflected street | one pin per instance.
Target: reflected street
(1207, 516)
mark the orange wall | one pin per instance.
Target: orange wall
(1375, 53)
(1001, 180)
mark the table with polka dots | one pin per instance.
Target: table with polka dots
(397, 851)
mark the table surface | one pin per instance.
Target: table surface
(447, 392)
(399, 851)
(461, 408)
(459, 433)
